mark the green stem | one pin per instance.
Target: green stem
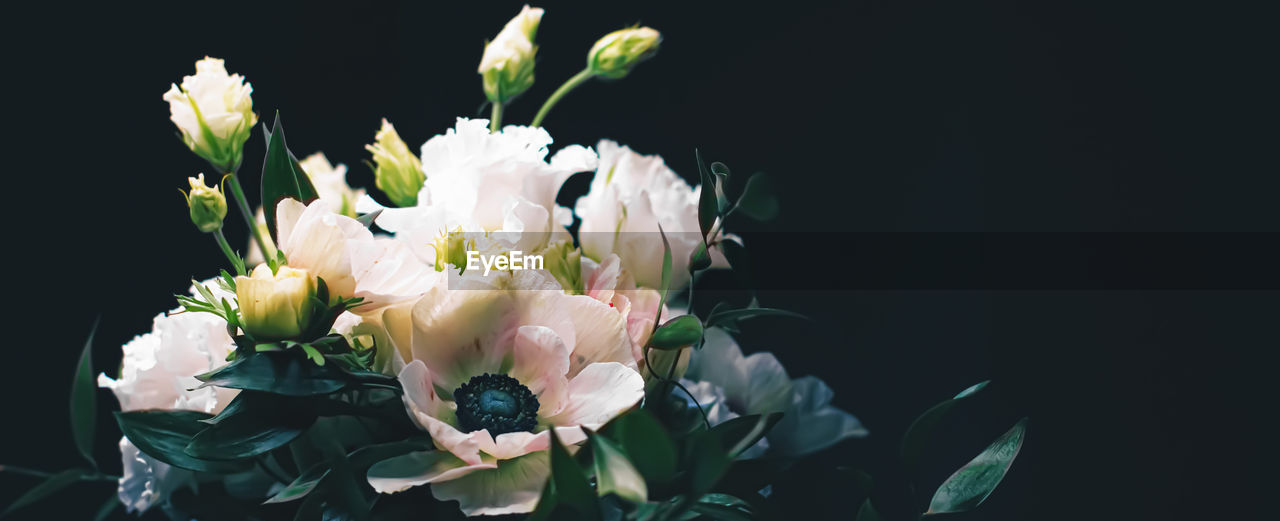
(495, 120)
(88, 476)
(245, 210)
(577, 79)
(232, 256)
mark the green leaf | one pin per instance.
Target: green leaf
(614, 472)
(740, 433)
(571, 486)
(282, 177)
(368, 218)
(280, 372)
(647, 443)
(917, 438)
(709, 460)
(867, 512)
(969, 486)
(301, 486)
(678, 332)
(84, 401)
(707, 207)
(699, 260)
(49, 486)
(164, 435)
(722, 506)
(757, 200)
(729, 319)
(254, 423)
(104, 511)
(666, 273)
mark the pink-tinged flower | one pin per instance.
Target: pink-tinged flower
(490, 372)
(630, 196)
(609, 283)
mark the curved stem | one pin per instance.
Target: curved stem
(232, 256)
(88, 476)
(246, 211)
(573, 82)
(495, 120)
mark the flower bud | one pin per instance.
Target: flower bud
(214, 112)
(506, 68)
(399, 172)
(208, 205)
(614, 55)
(331, 183)
(275, 306)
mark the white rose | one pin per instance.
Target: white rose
(214, 112)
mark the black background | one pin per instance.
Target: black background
(870, 116)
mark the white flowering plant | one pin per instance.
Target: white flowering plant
(467, 349)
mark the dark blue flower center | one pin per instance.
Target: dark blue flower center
(496, 402)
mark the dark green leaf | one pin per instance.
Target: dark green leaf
(84, 401)
(164, 435)
(707, 206)
(708, 461)
(647, 443)
(256, 424)
(367, 219)
(739, 434)
(282, 177)
(104, 511)
(728, 319)
(678, 332)
(917, 438)
(46, 488)
(757, 199)
(723, 507)
(571, 486)
(301, 486)
(699, 260)
(349, 502)
(280, 372)
(969, 486)
(867, 512)
(614, 472)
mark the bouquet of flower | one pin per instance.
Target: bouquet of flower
(469, 347)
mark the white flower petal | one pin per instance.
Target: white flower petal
(812, 423)
(513, 488)
(419, 468)
(600, 392)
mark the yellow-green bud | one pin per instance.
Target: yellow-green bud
(208, 205)
(275, 306)
(506, 69)
(614, 55)
(565, 263)
(451, 248)
(399, 172)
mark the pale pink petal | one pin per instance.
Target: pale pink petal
(541, 362)
(512, 488)
(599, 393)
(419, 468)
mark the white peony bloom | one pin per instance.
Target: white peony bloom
(479, 181)
(630, 196)
(759, 384)
(331, 183)
(214, 112)
(158, 372)
(352, 262)
(490, 372)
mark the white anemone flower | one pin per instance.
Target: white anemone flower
(632, 195)
(490, 373)
(479, 181)
(728, 384)
(158, 372)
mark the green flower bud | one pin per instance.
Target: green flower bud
(276, 306)
(399, 172)
(451, 249)
(614, 55)
(506, 69)
(565, 263)
(208, 205)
